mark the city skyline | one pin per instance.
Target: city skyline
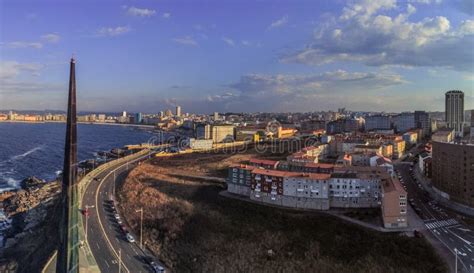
(147, 56)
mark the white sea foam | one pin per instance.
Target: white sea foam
(16, 157)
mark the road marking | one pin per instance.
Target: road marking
(98, 247)
(107, 263)
(462, 239)
(100, 221)
(464, 229)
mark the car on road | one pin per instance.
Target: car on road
(130, 238)
(123, 228)
(157, 268)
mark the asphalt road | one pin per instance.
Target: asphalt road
(106, 240)
(445, 225)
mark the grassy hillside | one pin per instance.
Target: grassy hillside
(193, 229)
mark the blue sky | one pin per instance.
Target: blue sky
(256, 56)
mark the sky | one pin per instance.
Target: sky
(236, 55)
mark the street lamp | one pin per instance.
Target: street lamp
(86, 214)
(141, 226)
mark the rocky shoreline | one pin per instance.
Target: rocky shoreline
(31, 213)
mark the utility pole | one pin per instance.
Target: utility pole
(141, 226)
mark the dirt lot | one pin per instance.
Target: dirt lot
(194, 229)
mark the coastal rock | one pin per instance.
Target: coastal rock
(31, 182)
(34, 192)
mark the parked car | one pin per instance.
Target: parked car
(116, 216)
(123, 228)
(157, 268)
(130, 238)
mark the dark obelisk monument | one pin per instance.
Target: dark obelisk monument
(68, 252)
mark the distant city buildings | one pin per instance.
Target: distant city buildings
(178, 111)
(138, 118)
(404, 122)
(423, 122)
(454, 111)
(378, 122)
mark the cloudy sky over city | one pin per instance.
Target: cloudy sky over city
(234, 56)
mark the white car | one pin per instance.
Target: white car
(130, 238)
(117, 217)
(157, 268)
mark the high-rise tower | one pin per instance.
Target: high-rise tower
(455, 110)
(68, 252)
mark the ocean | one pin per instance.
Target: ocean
(37, 149)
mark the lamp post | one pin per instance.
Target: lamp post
(120, 260)
(456, 252)
(141, 226)
(86, 214)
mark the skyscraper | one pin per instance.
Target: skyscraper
(138, 118)
(178, 110)
(423, 122)
(455, 110)
(68, 252)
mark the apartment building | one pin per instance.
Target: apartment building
(240, 179)
(346, 187)
(354, 187)
(373, 149)
(394, 203)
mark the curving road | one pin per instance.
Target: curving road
(444, 225)
(106, 240)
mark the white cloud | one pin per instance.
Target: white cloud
(22, 44)
(246, 43)
(466, 27)
(187, 40)
(363, 35)
(166, 15)
(339, 79)
(285, 92)
(199, 27)
(113, 31)
(12, 69)
(425, 1)
(51, 38)
(279, 23)
(228, 41)
(140, 12)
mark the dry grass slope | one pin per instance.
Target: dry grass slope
(193, 229)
